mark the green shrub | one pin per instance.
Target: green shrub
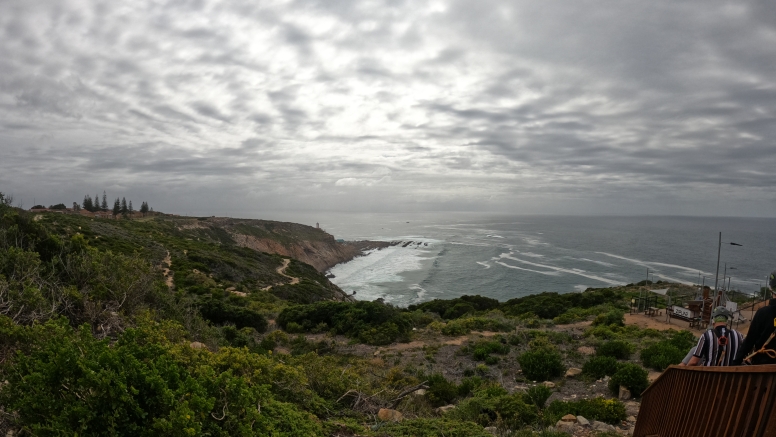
(683, 340)
(604, 410)
(71, 383)
(610, 318)
(368, 322)
(454, 308)
(220, 312)
(538, 395)
(466, 325)
(469, 385)
(440, 391)
(660, 355)
(631, 376)
(492, 404)
(668, 352)
(541, 363)
(619, 349)
(481, 350)
(549, 305)
(598, 367)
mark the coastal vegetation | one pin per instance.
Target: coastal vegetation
(167, 325)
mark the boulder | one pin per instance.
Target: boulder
(631, 419)
(388, 415)
(625, 394)
(572, 372)
(491, 429)
(419, 392)
(602, 427)
(548, 384)
(568, 427)
(582, 421)
(569, 418)
(445, 409)
(197, 345)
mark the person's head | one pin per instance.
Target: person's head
(721, 316)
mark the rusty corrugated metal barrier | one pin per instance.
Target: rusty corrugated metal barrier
(710, 402)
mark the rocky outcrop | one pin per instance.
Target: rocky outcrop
(321, 254)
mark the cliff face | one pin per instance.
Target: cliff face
(305, 243)
(320, 254)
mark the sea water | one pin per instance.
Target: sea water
(504, 257)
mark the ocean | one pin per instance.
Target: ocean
(504, 257)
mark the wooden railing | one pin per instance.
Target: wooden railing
(710, 402)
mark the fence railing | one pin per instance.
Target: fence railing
(710, 402)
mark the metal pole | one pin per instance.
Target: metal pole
(716, 276)
(724, 275)
(645, 292)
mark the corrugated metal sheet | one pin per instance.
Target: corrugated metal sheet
(710, 402)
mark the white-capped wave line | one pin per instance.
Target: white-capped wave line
(651, 263)
(560, 269)
(550, 273)
(483, 263)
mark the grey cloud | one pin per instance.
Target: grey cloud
(673, 100)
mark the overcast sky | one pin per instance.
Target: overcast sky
(250, 107)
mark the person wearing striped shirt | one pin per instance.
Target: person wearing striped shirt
(718, 346)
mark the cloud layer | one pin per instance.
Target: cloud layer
(237, 106)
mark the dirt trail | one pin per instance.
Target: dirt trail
(282, 271)
(166, 270)
(661, 323)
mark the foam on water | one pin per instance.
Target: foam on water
(365, 274)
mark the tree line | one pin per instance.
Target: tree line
(120, 206)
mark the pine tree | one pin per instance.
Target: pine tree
(88, 204)
(144, 208)
(130, 208)
(124, 208)
(116, 207)
(104, 205)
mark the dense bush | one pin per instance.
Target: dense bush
(544, 305)
(492, 404)
(610, 318)
(604, 410)
(618, 349)
(598, 367)
(220, 312)
(440, 391)
(481, 350)
(71, 383)
(460, 306)
(541, 362)
(538, 395)
(368, 322)
(549, 305)
(631, 376)
(466, 325)
(668, 352)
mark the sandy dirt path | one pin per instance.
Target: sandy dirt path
(282, 271)
(166, 264)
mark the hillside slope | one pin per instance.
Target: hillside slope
(201, 255)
